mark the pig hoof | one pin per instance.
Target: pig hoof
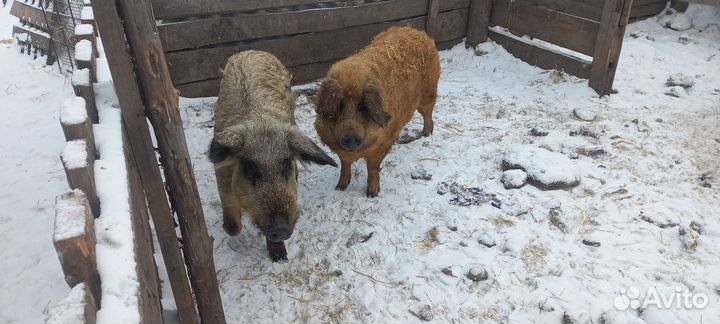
(371, 194)
(277, 251)
(231, 228)
(341, 187)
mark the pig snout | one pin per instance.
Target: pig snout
(350, 141)
(279, 233)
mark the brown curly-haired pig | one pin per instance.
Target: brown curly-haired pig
(367, 99)
(255, 147)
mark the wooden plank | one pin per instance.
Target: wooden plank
(83, 88)
(161, 101)
(205, 32)
(589, 10)
(77, 307)
(616, 14)
(647, 10)
(640, 3)
(201, 64)
(141, 146)
(540, 57)
(679, 5)
(432, 17)
(74, 241)
(567, 31)
(149, 292)
(32, 36)
(171, 9)
(80, 171)
(478, 22)
(85, 59)
(28, 13)
(76, 124)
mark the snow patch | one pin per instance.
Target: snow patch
(512, 179)
(545, 169)
(70, 215)
(674, 20)
(81, 77)
(73, 111)
(87, 13)
(70, 309)
(84, 29)
(75, 154)
(83, 50)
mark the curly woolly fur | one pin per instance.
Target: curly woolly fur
(374, 94)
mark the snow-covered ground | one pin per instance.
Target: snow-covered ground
(31, 175)
(477, 253)
(406, 254)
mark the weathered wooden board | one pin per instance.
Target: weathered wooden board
(172, 9)
(29, 13)
(640, 11)
(33, 37)
(585, 9)
(609, 41)
(478, 22)
(205, 32)
(201, 64)
(149, 291)
(541, 57)
(567, 31)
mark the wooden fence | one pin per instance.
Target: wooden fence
(308, 36)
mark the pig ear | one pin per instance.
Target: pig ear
(328, 98)
(226, 143)
(373, 103)
(306, 150)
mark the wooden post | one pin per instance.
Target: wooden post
(162, 108)
(478, 22)
(140, 143)
(615, 15)
(679, 5)
(87, 32)
(85, 59)
(83, 88)
(79, 171)
(88, 17)
(431, 24)
(76, 124)
(150, 292)
(74, 240)
(78, 307)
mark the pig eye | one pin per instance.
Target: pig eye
(287, 168)
(251, 170)
(329, 115)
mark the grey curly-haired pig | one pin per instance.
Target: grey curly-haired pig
(255, 148)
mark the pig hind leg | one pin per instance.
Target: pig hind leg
(426, 110)
(232, 211)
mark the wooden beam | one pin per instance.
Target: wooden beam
(541, 57)
(83, 88)
(85, 59)
(140, 144)
(161, 102)
(201, 64)
(76, 123)
(29, 13)
(172, 9)
(431, 24)
(80, 171)
(555, 27)
(608, 44)
(32, 36)
(74, 241)
(478, 22)
(204, 32)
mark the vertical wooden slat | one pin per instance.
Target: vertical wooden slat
(85, 59)
(140, 143)
(478, 22)
(83, 88)
(162, 107)
(431, 24)
(76, 123)
(74, 240)
(608, 44)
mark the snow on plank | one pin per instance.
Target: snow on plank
(77, 307)
(79, 170)
(74, 240)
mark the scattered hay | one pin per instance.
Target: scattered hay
(431, 239)
(533, 256)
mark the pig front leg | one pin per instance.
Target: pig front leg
(345, 174)
(276, 250)
(232, 211)
(374, 160)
